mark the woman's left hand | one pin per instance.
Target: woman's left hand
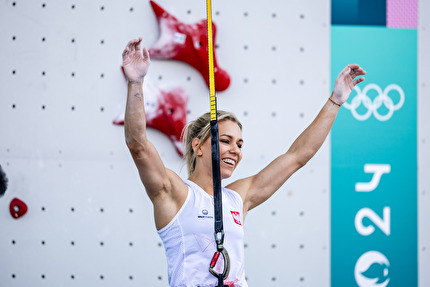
(345, 82)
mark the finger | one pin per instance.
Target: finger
(130, 45)
(127, 48)
(146, 54)
(361, 72)
(345, 72)
(133, 46)
(354, 66)
(137, 45)
(357, 81)
(125, 52)
(358, 72)
(349, 69)
(355, 70)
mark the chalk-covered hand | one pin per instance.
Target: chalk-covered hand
(345, 82)
(135, 61)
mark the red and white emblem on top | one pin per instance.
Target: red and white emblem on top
(236, 217)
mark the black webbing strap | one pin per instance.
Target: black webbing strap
(216, 173)
(216, 176)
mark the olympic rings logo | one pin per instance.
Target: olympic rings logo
(373, 106)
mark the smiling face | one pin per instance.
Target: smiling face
(230, 144)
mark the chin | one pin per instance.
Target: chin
(225, 175)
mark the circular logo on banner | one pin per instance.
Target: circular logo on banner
(382, 101)
(372, 270)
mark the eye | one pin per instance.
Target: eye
(225, 141)
(239, 146)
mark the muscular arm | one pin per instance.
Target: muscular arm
(258, 188)
(165, 189)
(151, 169)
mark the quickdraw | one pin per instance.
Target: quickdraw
(216, 173)
(220, 250)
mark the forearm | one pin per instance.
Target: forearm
(135, 121)
(312, 138)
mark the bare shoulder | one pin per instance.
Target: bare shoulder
(169, 202)
(177, 188)
(241, 186)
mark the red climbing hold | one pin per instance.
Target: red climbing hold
(187, 43)
(17, 208)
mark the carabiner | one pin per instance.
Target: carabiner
(214, 260)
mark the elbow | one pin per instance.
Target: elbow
(303, 158)
(301, 163)
(136, 146)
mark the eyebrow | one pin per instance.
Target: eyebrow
(230, 137)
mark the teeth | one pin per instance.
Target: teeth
(230, 161)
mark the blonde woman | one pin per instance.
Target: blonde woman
(183, 209)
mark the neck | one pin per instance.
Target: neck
(205, 182)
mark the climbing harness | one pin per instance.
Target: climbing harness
(216, 173)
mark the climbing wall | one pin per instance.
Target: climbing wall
(423, 144)
(89, 221)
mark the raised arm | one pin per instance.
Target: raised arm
(258, 188)
(165, 189)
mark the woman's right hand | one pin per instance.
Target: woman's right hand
(134, 61)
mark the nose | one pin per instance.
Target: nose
(235, 149)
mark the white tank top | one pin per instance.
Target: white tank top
(190, 245)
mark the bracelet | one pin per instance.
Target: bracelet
(334, 102)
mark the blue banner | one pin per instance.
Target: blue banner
(359, 12)
(374, 160)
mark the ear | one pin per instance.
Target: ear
(195, 145)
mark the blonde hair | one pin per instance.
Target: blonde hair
(200, 128)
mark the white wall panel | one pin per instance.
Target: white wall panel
(423, 143)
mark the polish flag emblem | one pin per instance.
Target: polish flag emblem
(236, 217)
